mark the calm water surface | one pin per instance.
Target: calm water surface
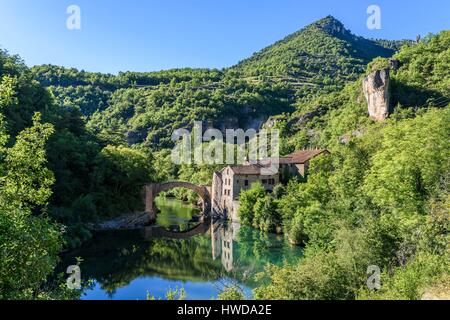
(126, 265)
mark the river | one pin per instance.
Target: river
(126, 266)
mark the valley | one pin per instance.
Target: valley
(76, 149)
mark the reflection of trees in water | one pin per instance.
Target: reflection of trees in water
(116, 260)
(246, 251)
(261, 248)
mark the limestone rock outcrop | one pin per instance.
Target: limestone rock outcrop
(376, 90)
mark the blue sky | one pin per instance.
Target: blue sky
(148, 35)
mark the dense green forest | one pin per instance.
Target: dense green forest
(380, 198)
(76, 147)
(145, 108)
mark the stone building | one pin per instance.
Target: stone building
(228, 183)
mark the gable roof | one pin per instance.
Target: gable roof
(251, 169)
(299, 157)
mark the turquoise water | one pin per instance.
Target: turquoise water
(126, 266)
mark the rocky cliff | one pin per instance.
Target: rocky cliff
(376, 90)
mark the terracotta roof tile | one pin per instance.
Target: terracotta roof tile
(304, 155)
(249, 169)
(297, 157)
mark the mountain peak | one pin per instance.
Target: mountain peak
(331, 25)
(322, 53)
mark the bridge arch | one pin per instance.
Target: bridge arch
(152, 190)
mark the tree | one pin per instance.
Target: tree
(29, 242)
(409, 167)
(27, 182)
(231, 293)
(266, 216)
(119, 176)
(247, 200)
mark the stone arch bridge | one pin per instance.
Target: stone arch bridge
(153, 189)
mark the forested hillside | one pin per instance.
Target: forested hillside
(83, 188)
(76, 147)
(145, 108)
(320, 57)
(380, 198)
(421, 81)
(97, 117)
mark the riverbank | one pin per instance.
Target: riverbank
(125, 265)
(125, 222)
(139, 220)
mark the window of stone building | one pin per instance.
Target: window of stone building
(264, 181)
(246, 183)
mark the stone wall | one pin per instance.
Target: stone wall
(216, 196)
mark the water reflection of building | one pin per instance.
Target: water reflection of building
(222, 237)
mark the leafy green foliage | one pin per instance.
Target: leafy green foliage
(318, 58)
(411, 281)
(149, 116)
(232, 293)
(76, 165)
(247, 201)
(145, 108)
(27, 182)
(266, 215)
(426, 65)
(171, 294)
(120, 175)
(380, 198)
(29, 243)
